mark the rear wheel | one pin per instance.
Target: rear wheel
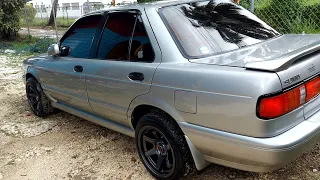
(162, 147)
(37, 100)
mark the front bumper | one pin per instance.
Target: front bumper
(254, 154)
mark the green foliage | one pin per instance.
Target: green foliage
(28, 13)
(62, 23)
(245, 4)
(9, 17)
(25, 44)
(289, 16)
(42, 45)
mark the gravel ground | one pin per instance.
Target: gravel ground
(63, 146)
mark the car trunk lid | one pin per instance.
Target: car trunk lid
(271, 55)
(295, 59)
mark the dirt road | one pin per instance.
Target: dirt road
(41, 32)
(63, 146)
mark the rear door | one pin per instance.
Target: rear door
(63, 77)
(124, 66)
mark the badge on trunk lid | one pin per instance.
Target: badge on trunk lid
(292, 80)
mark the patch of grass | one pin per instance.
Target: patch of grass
(26, 44)
(62, 23)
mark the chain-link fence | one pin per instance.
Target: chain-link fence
(288, 16)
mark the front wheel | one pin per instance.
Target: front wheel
(37, 100)
(162, 147)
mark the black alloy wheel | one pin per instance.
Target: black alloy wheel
(34, 98)
(38, 101)
(157, 151)
(162, 147)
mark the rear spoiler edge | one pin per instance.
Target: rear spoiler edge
(284, 62)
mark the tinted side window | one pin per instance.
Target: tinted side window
(141, 49)
(80, 36)
(115, 39)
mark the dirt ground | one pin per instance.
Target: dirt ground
(63, 146)
(42, 32)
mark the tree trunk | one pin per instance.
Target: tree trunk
(53, 13)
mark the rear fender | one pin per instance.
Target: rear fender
(147, 99)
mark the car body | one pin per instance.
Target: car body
(214, 98)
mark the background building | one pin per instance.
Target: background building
(73, 8)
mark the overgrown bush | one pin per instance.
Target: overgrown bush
(9, 17)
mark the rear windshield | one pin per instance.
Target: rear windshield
(204, 28)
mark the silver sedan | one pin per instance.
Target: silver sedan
(195, 82)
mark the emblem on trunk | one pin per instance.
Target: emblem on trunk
(292, 80)
(312, 68)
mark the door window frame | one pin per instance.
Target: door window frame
(107, 15)
(98, 31)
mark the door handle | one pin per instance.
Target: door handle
(78, 69)
(136, 76)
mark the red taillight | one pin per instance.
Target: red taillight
(272, 107)
(312, 88)
(275, 106)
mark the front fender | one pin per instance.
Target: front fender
(32, 71)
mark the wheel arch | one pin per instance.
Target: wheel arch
(142, 105)
(146, 103)
(29, 75)
(144, 109)
(31, 72)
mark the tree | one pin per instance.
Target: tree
(9, 17)
(53, 13)
(28, 14)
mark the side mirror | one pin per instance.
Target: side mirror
(65, 51)
(53, 50)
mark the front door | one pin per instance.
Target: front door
(124, 66)
(63, 77)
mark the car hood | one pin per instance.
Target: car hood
(31, 60)
(272, 55)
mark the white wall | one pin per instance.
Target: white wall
(70, 12)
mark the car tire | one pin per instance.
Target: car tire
(37, 100)
(159, 138)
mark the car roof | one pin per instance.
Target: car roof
(140, 6)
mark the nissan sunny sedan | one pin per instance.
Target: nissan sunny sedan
(194, 82)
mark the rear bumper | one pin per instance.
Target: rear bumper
(254, 154)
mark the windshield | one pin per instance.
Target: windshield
(209, 27)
